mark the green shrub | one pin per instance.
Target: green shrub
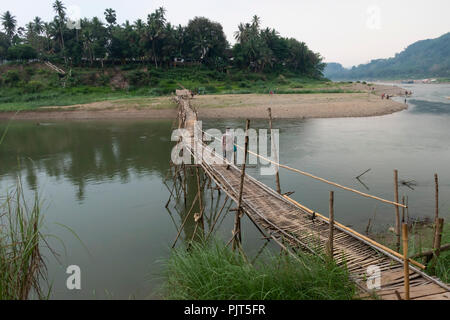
(215, 272)
(244, 84)
(138, 78)
(211, 89)
(12, 77)
(33, 87)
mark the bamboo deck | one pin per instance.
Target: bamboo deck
(290, 223)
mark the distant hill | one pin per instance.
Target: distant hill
(422, 59)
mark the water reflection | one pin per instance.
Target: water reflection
(88, 152)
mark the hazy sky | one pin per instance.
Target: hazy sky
(346, 31)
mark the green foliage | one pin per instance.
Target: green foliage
(215, 272)
(12, 77)
(21, 52)
(33, 87)
(22, 269)
(29, 86)
(156, 41)
(442, 270)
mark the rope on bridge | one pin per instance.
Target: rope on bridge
(315, 177)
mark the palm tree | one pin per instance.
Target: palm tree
(47, 29)
(256, 22)
(38, 25)
(30, 31)
(60, 10)
(110, 16)
(156, 23)
(9, 23)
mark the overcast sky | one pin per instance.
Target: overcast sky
(346, 31)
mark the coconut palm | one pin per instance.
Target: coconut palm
(9, 24)
(60, 11)
(38, 25)
(110, 16)
(156, 24)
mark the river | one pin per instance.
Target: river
(101, 183)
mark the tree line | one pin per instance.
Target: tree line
(155, 41)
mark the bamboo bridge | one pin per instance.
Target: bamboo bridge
(293, 226)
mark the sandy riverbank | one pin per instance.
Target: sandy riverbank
(317, 105)
(295, 106)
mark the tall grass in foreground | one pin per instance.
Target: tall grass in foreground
(214, 272)
(443, 263)
(21, 265)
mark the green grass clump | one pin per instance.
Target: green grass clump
(442, 269)
(22, 268)
(214, 272)
(421, 240)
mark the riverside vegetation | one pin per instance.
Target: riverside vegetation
(22, 268)
(28, 86)
(105, 60)
(212, 271)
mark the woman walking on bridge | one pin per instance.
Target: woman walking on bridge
(228, 144)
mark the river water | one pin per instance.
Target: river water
(101, 183)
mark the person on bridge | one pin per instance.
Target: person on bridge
(228, 145)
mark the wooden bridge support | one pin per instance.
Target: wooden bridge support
(274, 149)
(397, 213)
(405, 259)
(331, 226)
(237, 234)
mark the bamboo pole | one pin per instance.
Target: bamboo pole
(273, 148)
(318, 178)
(436, 184)
(237, 235)
(430, 253)
(184, 185)
(405, 259)
(184, 221)
(331, 223)
(217, 218)
(397, 213)
(200, 196)
(403, 210)
(407, 209)
(437, 241)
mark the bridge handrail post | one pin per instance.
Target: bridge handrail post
(237, 235)
(405, 259)
(331, 226)
(397, 211)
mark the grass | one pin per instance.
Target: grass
(214, 272)
(424, 242)
(420, 240)
(22, 267)
(28, 87)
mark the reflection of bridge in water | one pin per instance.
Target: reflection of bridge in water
(293, 226)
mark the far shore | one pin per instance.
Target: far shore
(254, 106)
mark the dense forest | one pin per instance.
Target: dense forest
(93, 42)
(422, 59)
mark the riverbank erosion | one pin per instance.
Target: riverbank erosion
(284, 106)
